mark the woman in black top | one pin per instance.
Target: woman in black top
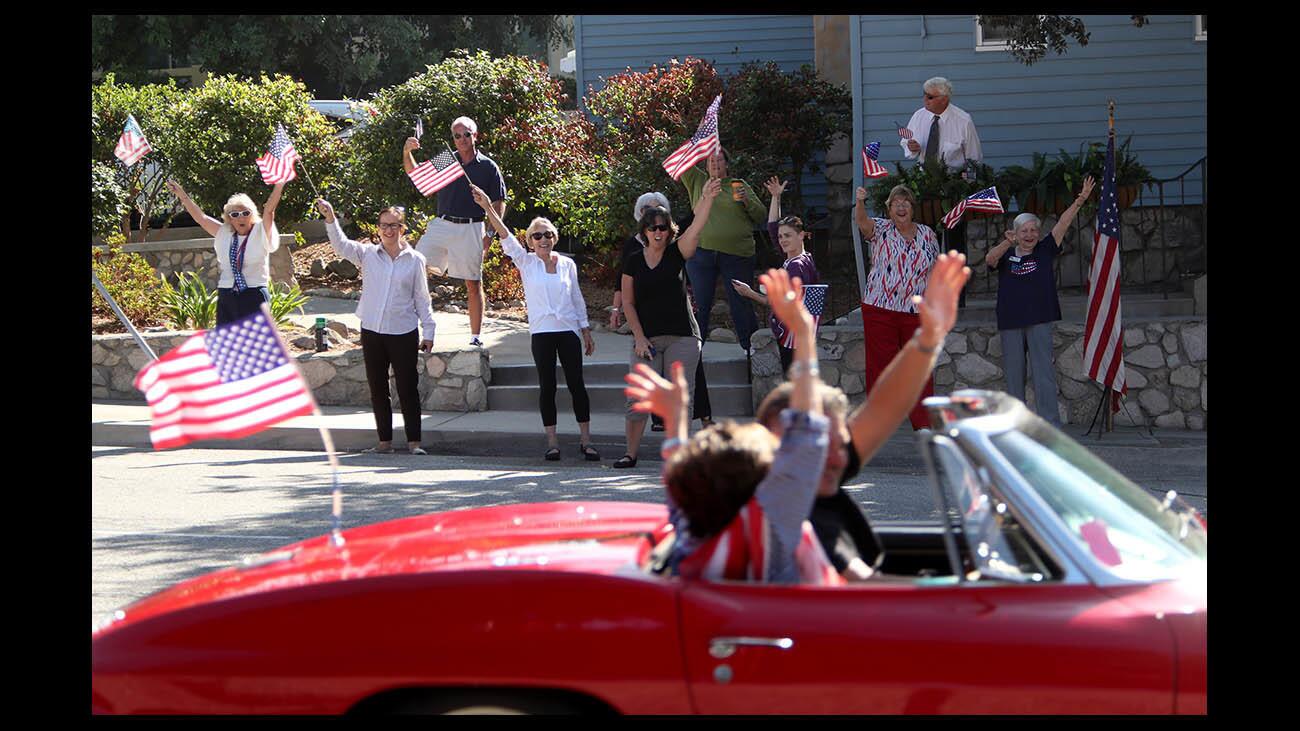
(654, 298)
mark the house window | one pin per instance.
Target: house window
(1200, 27)
(990, 36)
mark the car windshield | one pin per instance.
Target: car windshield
(1119, 523)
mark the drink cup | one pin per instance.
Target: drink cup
(736, 188)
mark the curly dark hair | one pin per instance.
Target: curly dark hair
(714, 474)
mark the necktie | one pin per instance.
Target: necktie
(932, 144)
(235, 263)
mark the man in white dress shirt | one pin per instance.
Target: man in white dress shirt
(944, 132)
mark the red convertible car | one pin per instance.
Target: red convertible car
(1051, 585)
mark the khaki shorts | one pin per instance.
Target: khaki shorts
(455, 248)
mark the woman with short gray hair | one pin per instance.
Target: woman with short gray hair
(1028, 305)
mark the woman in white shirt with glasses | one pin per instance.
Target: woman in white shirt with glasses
(557, 314)
(244, 242)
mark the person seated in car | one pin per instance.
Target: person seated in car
(738, 497)
(840, 523)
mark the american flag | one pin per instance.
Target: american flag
(433, 175)
(699, 146)
(419, 128)
(277, 164)
(985, 200)
(224, 383)
(1103, 353)
(903, 132)
(870, 167)
(132, 145)
(814, 298)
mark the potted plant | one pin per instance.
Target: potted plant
(1130, 175)
(937, 188)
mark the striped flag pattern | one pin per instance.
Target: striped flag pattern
(743, 552)
(699, 146)
(433, 175)
(814, 299)
(277, 165)
(903, 132)
(132, 145)
(984, 200)
(871, 167)
(1103, 353)
(224, 383)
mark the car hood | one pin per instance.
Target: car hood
(592, 537)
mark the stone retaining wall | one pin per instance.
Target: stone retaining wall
(454, 380)
(197, 255)
(1166, 366)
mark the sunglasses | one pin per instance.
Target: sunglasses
(458, 135)
(933, 96)
(240, 214)
(543, 235)
(659, 227)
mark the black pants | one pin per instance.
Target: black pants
(546, 346)
(233, 306)
(399, 351)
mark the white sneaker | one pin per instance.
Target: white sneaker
(475, 342)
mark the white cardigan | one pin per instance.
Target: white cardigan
(257, 255)
(548, 313)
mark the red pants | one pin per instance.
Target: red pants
(885, 333)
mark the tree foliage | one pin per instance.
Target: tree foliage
(1029, 37)
(335, 55)
(141, 185)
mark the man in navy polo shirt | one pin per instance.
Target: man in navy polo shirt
(455, 240)
(1028, 305)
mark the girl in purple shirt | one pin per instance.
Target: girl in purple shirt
(788, 235)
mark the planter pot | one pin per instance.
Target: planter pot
(1127, 194)
(930, 211)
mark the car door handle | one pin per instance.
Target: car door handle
(724, 647)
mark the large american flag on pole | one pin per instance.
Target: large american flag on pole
(277, 165)
(1103, 353)
(871, 167)
(132, 145)
(224, 383)
(433, 175)
(814, 299)
(699, 146)
(984, 200)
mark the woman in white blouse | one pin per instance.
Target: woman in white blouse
(394, 297)
(242, 237)
(557, 314)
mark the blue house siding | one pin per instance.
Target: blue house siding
(1156, 75)
(605, 45)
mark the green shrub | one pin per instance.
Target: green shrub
(130, 281)
(284, 300)
(142, 184)
(933, 180)
(108, 202)
(190, 304)
(501, 280)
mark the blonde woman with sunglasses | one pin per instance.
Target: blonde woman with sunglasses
(557, 315)
(244, 242)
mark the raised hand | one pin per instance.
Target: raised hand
(1086, 192)
(938, 309)
(325, 209)
(480, 197)
(774, 186)
(175, 189)
(655, 394)
(860, 194)
(785, 296)
(711, 189)
(411, 144)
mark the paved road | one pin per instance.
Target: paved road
(159, 517)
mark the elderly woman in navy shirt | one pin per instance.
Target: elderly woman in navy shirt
(1028, 305)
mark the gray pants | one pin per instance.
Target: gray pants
(668, 348)
(1038, 338)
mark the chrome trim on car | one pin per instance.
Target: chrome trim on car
(724, 647)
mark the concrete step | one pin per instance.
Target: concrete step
(720, 372)
(725, 399)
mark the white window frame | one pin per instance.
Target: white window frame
(1200, 29)
(982, 45)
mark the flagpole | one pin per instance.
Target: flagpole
(118, 311)
(1110, 133)
(336, 512)
(308, 176)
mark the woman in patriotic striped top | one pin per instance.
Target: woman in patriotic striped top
(244, 238)
(902, 252)
(788, 235)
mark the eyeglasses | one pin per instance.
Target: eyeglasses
(240, 214)
(659, 227)
(458, 135)
(538, 236)
(390, 226)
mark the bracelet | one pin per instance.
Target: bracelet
(799, 367)
(916, 337)
(669, 446)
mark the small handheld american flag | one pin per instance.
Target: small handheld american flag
(699, 146)
(224, 383)
(871, 167)
(277, 165)
(903, 132)
(132, 145)
(419, 128)
(984, 200)
(433, 175)
(814, 299)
